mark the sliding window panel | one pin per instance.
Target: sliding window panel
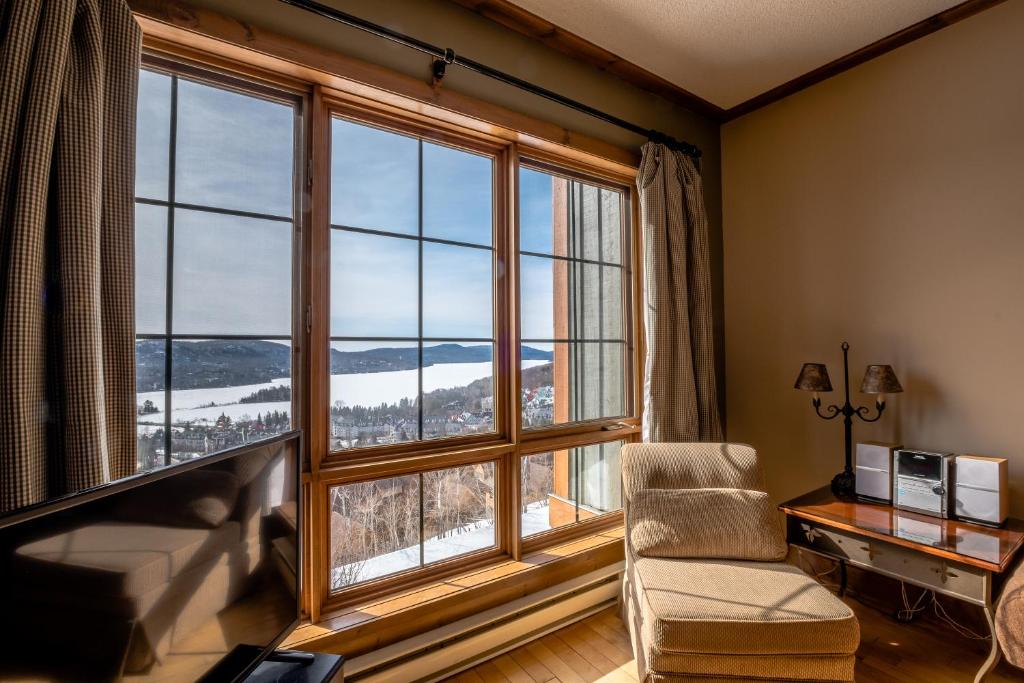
(152, 135)
(458, 301)
(374, 393)
(457, 195)
(458, 389)
(150, 368)
(150, 269)
(228, 392)
(560, 488)
(374, 285)
(459, 511)
(374, 178)
(234, 151)
(375, 529)
(232, 275)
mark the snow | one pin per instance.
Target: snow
(368, 389)
(465, 539)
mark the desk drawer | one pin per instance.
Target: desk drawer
(945, 576)
(841, 545)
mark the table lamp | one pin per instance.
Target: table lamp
(878, 379)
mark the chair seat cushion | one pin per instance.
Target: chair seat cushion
(733, 607)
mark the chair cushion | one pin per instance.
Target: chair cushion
(706, 523)
(734, 607)
(689, 466)
(118, 559)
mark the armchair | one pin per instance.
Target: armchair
(706, 594)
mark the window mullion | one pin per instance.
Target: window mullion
(169, 294)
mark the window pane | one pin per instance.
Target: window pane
(457, 195)
(568, 486)
(611, 227)
(581, 381)
(152, 135)
(375, 529)
(458, 506)
(149, 402)
(458, 390)
(374, 178)
(374, 285)
(538, 398)
(227, 393)
(546, 500)
(611, 302)
(232, 275)
(234, 151)
(374, 390)
(535, 211)
(599, 471)
(457, 300)
(536, 295)
(150, 269)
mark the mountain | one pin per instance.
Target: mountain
(211, 364)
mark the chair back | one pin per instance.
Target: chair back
(689, 466)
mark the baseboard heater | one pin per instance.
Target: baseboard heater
(445, 651)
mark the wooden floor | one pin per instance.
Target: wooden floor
(598, 649)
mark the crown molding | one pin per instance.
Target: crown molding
(528, 24)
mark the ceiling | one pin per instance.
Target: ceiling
(728, 51)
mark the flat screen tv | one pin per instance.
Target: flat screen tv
(183, 574)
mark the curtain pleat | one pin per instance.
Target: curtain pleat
(68, 74)
(680, 393)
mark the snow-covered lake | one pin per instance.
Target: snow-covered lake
(367, 389)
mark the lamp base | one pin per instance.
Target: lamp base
(843, 485)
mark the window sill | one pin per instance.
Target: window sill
(374, 624)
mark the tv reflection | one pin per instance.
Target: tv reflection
(187, 577)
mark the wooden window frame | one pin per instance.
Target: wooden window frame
(329, 82)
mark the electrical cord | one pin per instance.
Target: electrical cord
(907, 613)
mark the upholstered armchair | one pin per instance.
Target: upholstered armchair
(707, 593)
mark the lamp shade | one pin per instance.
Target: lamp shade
(813, 377)
(880, 379)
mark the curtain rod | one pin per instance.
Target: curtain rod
(443, 57)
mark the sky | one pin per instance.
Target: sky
(232, 274)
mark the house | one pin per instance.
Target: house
(456, 339)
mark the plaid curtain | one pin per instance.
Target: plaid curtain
(680, 395)
(68, 78)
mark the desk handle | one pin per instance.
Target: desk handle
(944, 573)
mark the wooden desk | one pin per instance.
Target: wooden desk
(962, 560)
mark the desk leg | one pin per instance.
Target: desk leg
(842, 578)
(993, 655)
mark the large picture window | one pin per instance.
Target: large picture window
(213, 249)
(412, 293)
(445, 309)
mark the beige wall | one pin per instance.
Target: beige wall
(884, 206)
(447, 24)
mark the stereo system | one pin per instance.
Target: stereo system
(973, 488)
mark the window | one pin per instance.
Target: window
(412, 293)
(213, 249)
(571, 300)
